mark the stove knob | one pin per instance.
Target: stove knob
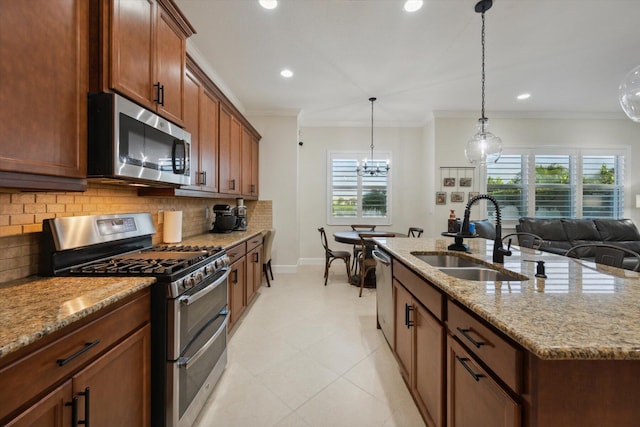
(208, 269)
(189, 282)
(199, 276)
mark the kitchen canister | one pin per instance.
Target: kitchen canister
(172, 226)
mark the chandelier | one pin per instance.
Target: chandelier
(483, 147)
(372, 169)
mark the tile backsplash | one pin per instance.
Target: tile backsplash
(21, 216)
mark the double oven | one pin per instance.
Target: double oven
(189, 301)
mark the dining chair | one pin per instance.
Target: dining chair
(526, 240)
(415, 232)
(267, 242)
(356, 248)
(331, 255)
(367, 263)
(604, 253)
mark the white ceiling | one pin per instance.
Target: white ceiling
(569, 54)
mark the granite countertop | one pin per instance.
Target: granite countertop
(581, 311)
(34, 307)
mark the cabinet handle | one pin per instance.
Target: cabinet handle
(464, 333)
(74, 411)
(157, 98)
(235, 276)
(232, 184)
(407, 316)
(463, 361)
(162, 95)
(203, 178)
(256, 257)
(253, 188)
(87, 346)
(87, 405)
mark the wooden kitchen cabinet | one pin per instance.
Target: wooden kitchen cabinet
(419, 338)
(108, 353)
(237, 290)
(254, 266)
(144, 50)
(201, 121)
(230, 152)
(43, 94)
(475, 399)
(250, 164)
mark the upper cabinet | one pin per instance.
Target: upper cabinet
(250, 163)
(43, 94)
(143, 53)
(230, 152)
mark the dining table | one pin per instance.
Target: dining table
(352, 237)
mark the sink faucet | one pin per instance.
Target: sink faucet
(499, 251)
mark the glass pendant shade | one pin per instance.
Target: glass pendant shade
(629, 94)
(483, 147)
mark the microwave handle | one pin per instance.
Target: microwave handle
(179, 170)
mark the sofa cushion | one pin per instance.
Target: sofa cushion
(581, 231)
(619, 232)
(550, 230)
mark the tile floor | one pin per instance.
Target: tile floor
(310, 355)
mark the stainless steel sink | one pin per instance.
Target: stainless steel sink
(444, 260)
(483, 274)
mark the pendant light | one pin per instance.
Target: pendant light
(372, 169)
(483, 147)
(629, 94)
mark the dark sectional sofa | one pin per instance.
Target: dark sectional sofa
(561, 234)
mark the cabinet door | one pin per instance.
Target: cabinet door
(170, 61)
(230, 145)
(254, 270)
(428, 368)
(132, 50)
(249, 164)
(403, 332)
(192, 88)
(474, 398)
(255, 167)
(237, 290)
(118, 384)
(50, 411)
(209, 106)
(43, 93)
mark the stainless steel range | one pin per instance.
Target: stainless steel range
(189, 310)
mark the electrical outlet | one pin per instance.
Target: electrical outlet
(160, 217)
(207, 213)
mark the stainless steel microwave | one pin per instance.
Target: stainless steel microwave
(130, 143)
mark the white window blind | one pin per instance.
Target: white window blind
(555, 183)
(353, 199)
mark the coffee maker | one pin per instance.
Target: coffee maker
(241, 214)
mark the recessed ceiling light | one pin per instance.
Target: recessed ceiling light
(413, 5)
(523, 96)
(268, 4)
(287, 73)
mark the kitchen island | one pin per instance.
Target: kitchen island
(557, 351)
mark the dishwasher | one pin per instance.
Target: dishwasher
(384, 293)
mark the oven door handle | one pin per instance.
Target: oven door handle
(185, 362)
(190, 299)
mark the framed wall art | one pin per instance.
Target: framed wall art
(465, 182)
(449, 182)
(441, 198)
(457, 196)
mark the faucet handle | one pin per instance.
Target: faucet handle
(509, 244)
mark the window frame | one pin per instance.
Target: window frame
(358, 157)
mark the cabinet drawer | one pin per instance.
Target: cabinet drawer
(236, 252)
(58, 360)
(424, 292)
(500, 356)
(254, 241)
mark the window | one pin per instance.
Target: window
(558, 183)
(353, 199)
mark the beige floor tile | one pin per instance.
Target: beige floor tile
(310, 355)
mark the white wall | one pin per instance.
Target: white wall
(408, 179)
(451, 135)
(279, 183)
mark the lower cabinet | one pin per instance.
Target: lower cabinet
(474, 398)
(97, 374)
(418, 346)
(246, 275)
